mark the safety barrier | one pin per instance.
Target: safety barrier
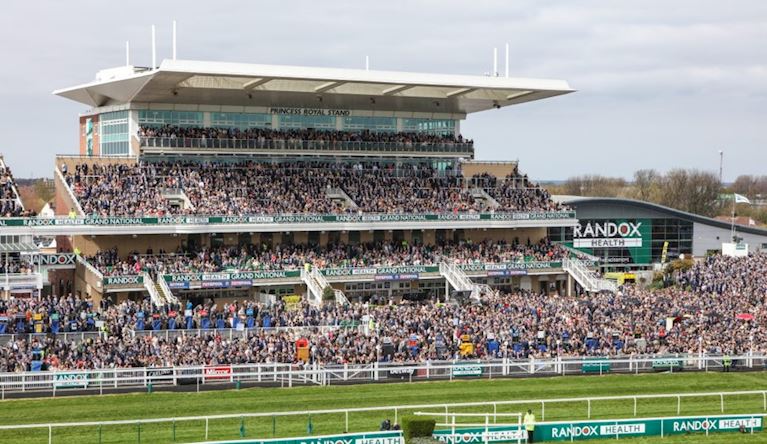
(548, 431)
(100, 380)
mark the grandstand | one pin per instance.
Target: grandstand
(266, 177)
(244, 215)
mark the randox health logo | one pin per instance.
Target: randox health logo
(574, 431)
(608, 229)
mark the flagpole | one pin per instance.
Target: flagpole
(732, 228)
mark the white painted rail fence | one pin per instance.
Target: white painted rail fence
(397, 410)
(138, 379)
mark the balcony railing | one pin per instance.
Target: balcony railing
(306, 145)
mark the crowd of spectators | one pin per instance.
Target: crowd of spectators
(328, 137)
(726, 275)
(10, 204)
(255, 188)
(250, 257)
(704, 316)
(15, 265)
(516, 193)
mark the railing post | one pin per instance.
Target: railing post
(635, 405)
(206, 428)
(543, 410)
(589, 404)
(50, 434)
(678, 404)
(721, 400)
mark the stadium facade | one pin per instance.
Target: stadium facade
(139, 189)
(127, 103)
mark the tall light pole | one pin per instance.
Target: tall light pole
(721, 161)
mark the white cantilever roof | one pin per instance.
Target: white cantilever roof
(241, 84)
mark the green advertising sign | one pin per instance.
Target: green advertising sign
(70, 380)
(596, 365)
(349, 438)
(624, 428)
(615, 241)
(467, 369)
(605, 429)
(226, 276)
(248, 278)
(478, 435)
(282, 219)
(123, 281)
(667, 364)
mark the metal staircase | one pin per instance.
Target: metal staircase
(313, 288)
(588, 279)
(340, 194)
(340, 297)
(460, 281)
(151, 286)
(480, 193)
(164, 290)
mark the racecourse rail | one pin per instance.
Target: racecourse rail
(287, 375)
(449, 416)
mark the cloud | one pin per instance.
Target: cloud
(660, 84)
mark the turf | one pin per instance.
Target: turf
(157, 405)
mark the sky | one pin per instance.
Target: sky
(661, 84)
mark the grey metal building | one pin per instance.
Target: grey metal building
(626, 233)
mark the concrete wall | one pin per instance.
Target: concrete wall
(497, 169)
(706, 237)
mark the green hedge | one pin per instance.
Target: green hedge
(416, 427)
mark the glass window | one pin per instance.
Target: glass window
(290, 121)
(374, 124)
(175, 118)
(114, 139)
(429, 126)
(240, 120)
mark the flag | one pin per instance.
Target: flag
(741, 199)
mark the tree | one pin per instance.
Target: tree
(328, 294)
(750, 186)
(594, 185)
(646, 184)
(693, 191)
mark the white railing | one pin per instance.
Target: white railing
(289, 374)
(314, 291)
(588, 279)
(21, 281)
(17, 197)
(579, 253)
(323, 283)
(150, 286)
(517, 435)
(170, 298)
(341, 298)
(482, 194)
(456, 277)
(339, 193)
(70, 192)
(460, 281)
(396, 409)
(580, 274)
